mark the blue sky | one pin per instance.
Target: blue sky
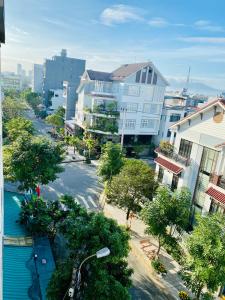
(174, 34)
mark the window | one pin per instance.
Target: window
(174, 117)
(168, 133)
(149, 79)
(185, 148)
(147, 123)
(131, 90)
(131, 107)
(138, 76)
(151, 108)
(208, 161)
(143, 76)
(130, 124)
(160, 174)
(154, 79)
(174, 182)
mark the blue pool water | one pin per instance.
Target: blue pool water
(12, 202)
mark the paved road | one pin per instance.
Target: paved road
(80, 181)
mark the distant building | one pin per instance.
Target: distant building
(70, 96)
(198, 159)
(59, 69)
(11, 82)
(126, 102)
(37, 78)
(174, 109)
(19, 69)
(57, 99)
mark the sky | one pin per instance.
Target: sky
(173, 34)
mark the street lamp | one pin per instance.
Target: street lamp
(76, 275)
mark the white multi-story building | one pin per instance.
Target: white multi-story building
(126, 102)
(37, 78)
(198, 159)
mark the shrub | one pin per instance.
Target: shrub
(158, 267)
(183, 295)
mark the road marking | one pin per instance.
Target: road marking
(84, 201)
(92, 201)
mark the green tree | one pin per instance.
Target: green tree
(12, 108)
(32, 161)
(132, 187)
(32, 99)
(105, 278)
(167, 209)
(90, 144)
(18, 126)
(57, 119)
(205, 261)
(111, 161)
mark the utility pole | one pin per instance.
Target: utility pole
(124, 110)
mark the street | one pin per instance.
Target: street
(81, 181)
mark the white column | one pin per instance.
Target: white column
(172, 137)
(219, 163)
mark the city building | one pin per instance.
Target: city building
(19, 70)
(2, 41)
(70, 95)
(57, 99)
(127, 102)
(37, 78)
(11, 81)
(59, 69)
(197, 158)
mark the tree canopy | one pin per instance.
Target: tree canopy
(12, 108)
(18, 126)
(205, 262)
(133, 186)
(111, 161)
(167, 209)
(105, 278)
(32, 161)
(57, 119)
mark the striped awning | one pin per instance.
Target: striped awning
(217, 195)
(168, 165)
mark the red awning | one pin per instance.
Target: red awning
(168, 165)
(215, 194)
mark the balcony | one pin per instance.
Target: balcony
(103, 110)
(102, 125)
(101, 89)
(171, 154)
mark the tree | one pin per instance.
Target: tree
(18, 126)
(133, 186)
(33, 99)
(12, 108)
(167, 209)
(57, 119)
(111, 161)
(90, 144)
(32, 161)
(105, 278)
(205, 261)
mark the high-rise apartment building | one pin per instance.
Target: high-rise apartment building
(37, 78)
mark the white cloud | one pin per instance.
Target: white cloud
(208, 26)
(158, 22)
(200, 39)
(120, 13)
(161, 22)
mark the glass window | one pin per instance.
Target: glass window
(138, 76)
(185, 148)
(149, 79)
(131, 107)
(168, 133)
(151, 108)
(147, 123)
(174, 117)
(143, 76)
(174, 182)
(154, 79)
(208, 162)
(130, 124)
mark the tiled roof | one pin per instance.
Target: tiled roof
(198, 111)
(217, 195)
(168, 165)
(100, 76)
(126, 70)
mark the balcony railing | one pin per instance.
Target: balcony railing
(174, 156)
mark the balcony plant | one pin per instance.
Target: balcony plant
(166, 147)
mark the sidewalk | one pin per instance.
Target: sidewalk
(171, 283)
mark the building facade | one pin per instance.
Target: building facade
(198, 157)
(37, 78)
(10, 81)
(127, 102)
(59, 69)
